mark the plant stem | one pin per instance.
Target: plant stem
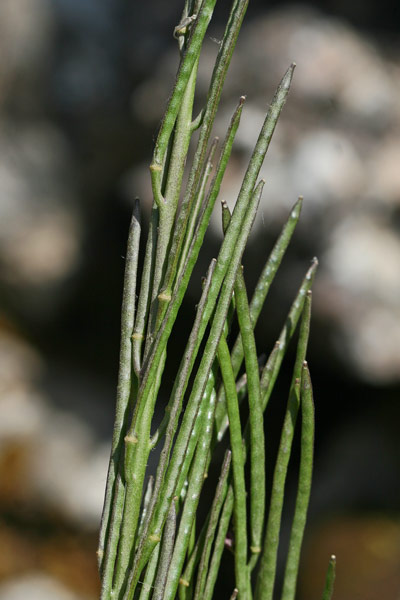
(219, 545)
(220, 495)
(137, 449)
(167, 548)
(330, 579)
(271, 369)
(175, 409)
(238, 11)
(185, 70)
(257, 442)
(147, 584)
(169, 203)
(239, 487)
(266, 576)
(177, 464)
(191, 502)
(144, 295)
(124, 374)
(304, 487)
(256, 420)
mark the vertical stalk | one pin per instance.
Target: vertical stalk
(177, 464)
(144, 296)
(271, 370)
(330, 579)
(168, 205)
(137, 449)
(220, 495)
(124, 374)
(304, 487)
(191, 502)
(147, 584)
(231, 33)
(242, 575)
(185, 69)
(167, 548)
(256, 421)
(147, 536)
(219, 545)
(266, 576)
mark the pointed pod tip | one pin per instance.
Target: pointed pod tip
(288, 76)
(259, 187)
(136, 207)
(315, 261)
(333, 557)
(297, 208)
(242, 99)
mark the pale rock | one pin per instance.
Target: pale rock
(40, 219)
(26, 39)
(65, 463)
(36, 586)
(362, 265)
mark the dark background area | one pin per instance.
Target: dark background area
(83, 84)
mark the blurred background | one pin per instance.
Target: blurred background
(83, 84)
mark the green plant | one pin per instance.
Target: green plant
(150, 541)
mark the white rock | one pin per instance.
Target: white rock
(363, 258)
(362, 264)
(65, 464)
(35, 586)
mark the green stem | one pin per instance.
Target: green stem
(304, 487)
(266, 576)
(196, 481)
(185, 581)
(177, 464)
(219, 545)
(147, 584)
(197, 428)
(257, 442)
(166, 553)
(144, 295)
(172, 311)
(175, 408)
(271, 369)
(146, 504)
(330, 579)
(137, 449)
(124, 374)
(197, 204)
(239, 510)
(112, 540)
(231, 239)
(238, 11)
(219, 498)
(259, 296)
(168, 205)
(185, 70)
(256, 420)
